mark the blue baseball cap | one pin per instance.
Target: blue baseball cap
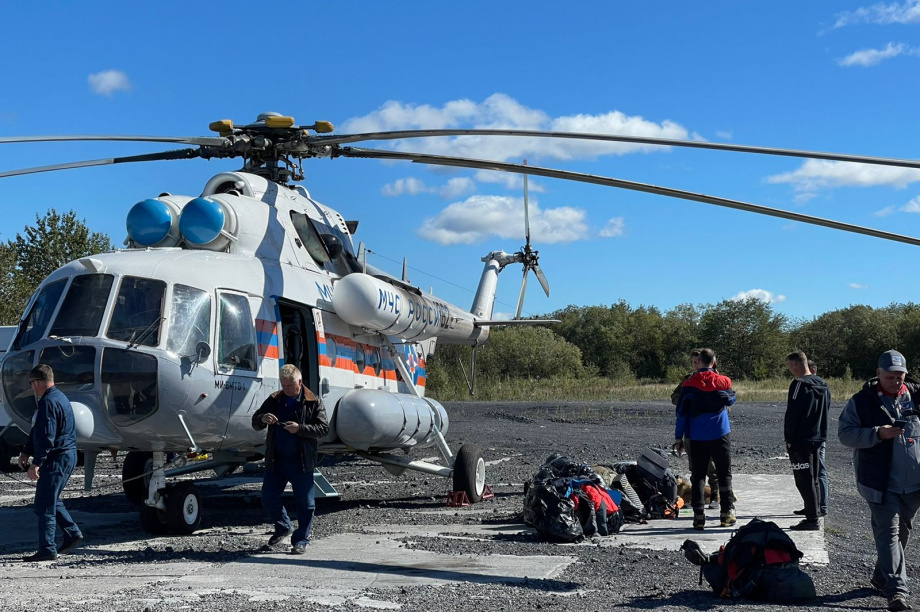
(892, 361)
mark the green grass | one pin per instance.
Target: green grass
(587, 389)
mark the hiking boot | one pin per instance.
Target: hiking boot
(807, 525)
(279, 535)
(898, 601)
(69, 544)
(727, 519)
(699, 521)
(46, 556)
(299, 548)
(714, 505)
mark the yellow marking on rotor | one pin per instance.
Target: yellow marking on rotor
(279, 122)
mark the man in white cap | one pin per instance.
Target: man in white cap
(880, 424)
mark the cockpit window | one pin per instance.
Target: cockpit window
(73, 366)
(190, 321)
(33, 326)
(310, 238)
(138, 311)
(83, 307)
(237, 347)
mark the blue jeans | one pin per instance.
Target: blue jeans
(53, 475)
(288, 470)
(823, 484)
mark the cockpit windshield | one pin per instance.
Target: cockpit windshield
(33, 326)
(83, 307)
(138, 311)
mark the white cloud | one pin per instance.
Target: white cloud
(761, 294)
(411, 186)
(912, 207)
(481, 216)
(858, 286)
(724, 135)
(884, 212)
(107, 82)
(500, 111)
(882, 14)
(818, 173)
(457, 187)
(871, 57)
(615, 227)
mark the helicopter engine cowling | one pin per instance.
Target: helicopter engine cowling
(371, 303)
(371, 419)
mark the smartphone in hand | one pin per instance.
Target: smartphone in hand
(901, 423)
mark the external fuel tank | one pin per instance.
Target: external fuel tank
(372, 419)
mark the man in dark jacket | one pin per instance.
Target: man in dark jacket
(295, 418)
(805, 429)
(703, 419)
(52, 445)
(880, 424)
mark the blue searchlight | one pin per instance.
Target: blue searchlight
(149, 222)
(201, 221)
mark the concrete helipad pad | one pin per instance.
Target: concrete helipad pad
(338, 570)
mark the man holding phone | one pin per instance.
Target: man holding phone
(805, 430)
(295, 419)
(880, 424)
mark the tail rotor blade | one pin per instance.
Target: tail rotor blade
(526, 214)
(520, 305)
(541, 278)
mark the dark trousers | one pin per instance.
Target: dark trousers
(53, 475)
(805, 465)
(701, 453)
(288, 470)
(823, 483)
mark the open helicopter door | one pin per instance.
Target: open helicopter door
(300, 348)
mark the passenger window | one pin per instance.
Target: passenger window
(83, 307)
(189, 321)
(73, 366)
(138, 311)
(129, 385)
(373, 359)
(32, 328)
(359, 358)
(237, 347)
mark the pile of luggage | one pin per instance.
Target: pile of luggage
(566, 501)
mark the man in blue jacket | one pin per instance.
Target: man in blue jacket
(53, 447)
(880, 424)
(702, 418)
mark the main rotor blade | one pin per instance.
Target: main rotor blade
(201, 141)
(526, 212)
(463, 162)
(402, 134)
(165, 155)
(542, 278)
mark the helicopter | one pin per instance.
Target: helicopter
(167, 347)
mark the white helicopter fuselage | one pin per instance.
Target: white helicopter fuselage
(172, 346)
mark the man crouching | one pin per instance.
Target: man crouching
(295, 418)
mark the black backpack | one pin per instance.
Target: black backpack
(760, 561)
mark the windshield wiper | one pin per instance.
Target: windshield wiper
(154, 325)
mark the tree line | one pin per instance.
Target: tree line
(619, 342)
(627, 343)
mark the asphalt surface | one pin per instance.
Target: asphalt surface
(515, 438)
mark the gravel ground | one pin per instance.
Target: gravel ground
(525, 433)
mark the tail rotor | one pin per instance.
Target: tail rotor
(528, 257)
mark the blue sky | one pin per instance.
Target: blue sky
(823, 76)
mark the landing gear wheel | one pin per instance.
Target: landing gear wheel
(153, 520)
(470, 472)
(183, 508)
(136, 463)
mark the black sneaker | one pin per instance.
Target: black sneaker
(67, 545)
(807, 525)
(898, 601)
(799, 512)
(39, 556)
(279, 535)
